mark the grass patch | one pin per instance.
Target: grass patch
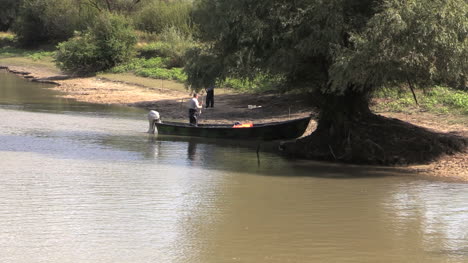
(156, 68)
(26, 62)
(8, 52)
(42, 55)
(261, 83)
(12, 56)
(8, 48)
(439, 100)
(7, 39)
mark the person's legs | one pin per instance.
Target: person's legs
(192, 117)
(210, 98)
(195, 116)
(207, 102)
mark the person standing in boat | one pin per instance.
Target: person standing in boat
(194, 106)
(210, 96)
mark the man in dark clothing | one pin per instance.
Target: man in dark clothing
(210, 96)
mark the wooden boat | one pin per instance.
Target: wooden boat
(266, 131)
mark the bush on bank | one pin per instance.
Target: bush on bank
(156, 16)
(109, 42)
(40, 21)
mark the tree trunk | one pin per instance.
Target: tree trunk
(347, 131)
(337, 136)
(337, 113)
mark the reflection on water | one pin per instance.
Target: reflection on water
(192, 150)
(427, 211)
(97, 188)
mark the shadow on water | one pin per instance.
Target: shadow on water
(260, 158)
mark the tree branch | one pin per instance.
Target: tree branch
(109, 5)
(95, 5)
(410, 84)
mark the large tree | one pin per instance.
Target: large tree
(41, 21)
(344, 50)
(8, 12)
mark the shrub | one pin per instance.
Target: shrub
(39, 55)
(108, 43)
(162, 73)
(116, 39)
(132, 65)
(158, 15)
(156, 62)
(7, 39)
(8, 13)
(173, 45)
(79, 55)
(151, 68)
(261, 83)
(46, 20)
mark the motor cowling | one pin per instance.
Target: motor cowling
(153, 118)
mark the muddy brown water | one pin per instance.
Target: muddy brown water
(85, 183)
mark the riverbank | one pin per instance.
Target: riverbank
(169, 98)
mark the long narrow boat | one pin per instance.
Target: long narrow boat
(266, 131)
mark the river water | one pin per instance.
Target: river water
(85, 183)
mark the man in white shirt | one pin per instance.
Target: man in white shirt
(194, 106)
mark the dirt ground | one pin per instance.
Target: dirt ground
(230, 107)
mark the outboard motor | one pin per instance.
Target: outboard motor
(153, 118)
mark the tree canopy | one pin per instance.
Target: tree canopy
(339, 44)
(343, 50)
(8, 12)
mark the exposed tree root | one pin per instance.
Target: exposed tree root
(378, 140)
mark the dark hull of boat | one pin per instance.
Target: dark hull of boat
(268, 131)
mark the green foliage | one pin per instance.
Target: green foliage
(108, 43)
(261, 83)
(146, 37)
(161, 59)
(156, 62)
(156, 68)
(139, 63)
(115, 37)
(7, 39)
(454, 99)
(290, 38)
(8, 13)
(8, 48)
(114, 6)
(125, 67)
(337, 46)
(172, 45)
(159, 15)
(153, 49)
(162, 73)
(424, 42)
(41, 54)
(9, 51)
(46, 20)
(437, 99)
(79, 55)
(202, 69)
